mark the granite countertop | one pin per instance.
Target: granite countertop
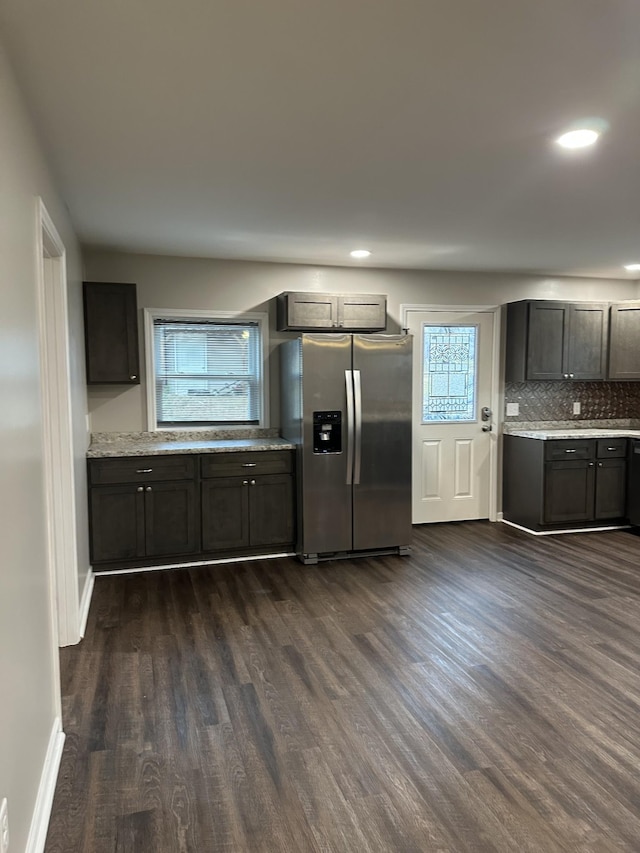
(104, 445)
(546, 434)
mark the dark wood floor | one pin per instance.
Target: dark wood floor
(480, 695)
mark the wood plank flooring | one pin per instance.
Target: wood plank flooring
(482, 694)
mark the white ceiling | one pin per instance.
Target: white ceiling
(296, 130)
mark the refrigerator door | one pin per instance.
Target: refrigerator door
(382, 453)
(326, 489)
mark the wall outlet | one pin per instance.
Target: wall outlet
(513, 409)
(4, 827)
(577, 408)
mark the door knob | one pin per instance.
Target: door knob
(487, 428)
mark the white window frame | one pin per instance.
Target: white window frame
(153, 314)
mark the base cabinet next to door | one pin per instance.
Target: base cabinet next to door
(247, 501)
(564, 483)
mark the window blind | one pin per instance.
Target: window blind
(207, 372)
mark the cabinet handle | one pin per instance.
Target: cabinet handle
(148, 489)
(599, 464)
(133, 376)
(253, 482)
(571, 376)
(245, 482)
(613, 448)
(590, 464)
(571, 451)
(565, 375)
(144, 470)
(140, 489)
(249, 464)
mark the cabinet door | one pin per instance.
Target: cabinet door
(225, 513)
(624, 351)
(271, 510)
(308, 311)
(117, 523)
(569, 492)
(611, 478)
(171, 518)
(546, 340)
(111, 333)
(586, 353)
(362, 311)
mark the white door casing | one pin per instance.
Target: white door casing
(57, 430)
(455, 462)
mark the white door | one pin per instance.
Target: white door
(453, 425)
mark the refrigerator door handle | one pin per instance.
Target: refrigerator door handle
(348, 380)
(357, 397)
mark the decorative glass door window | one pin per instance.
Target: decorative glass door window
(449, 373)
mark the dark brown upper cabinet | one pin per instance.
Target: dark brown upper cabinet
(111, 333)
(549, 340)
(624, 341)
(331, 312)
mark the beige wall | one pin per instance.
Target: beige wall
(171, 282)
(27, 681)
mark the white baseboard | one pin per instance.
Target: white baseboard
(222, 560)
(85, 603)
(46, 790)
(569, 530)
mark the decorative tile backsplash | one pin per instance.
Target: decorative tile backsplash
(553, 401)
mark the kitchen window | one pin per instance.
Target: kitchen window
(205, 370)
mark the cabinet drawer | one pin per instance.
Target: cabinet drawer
(611, 448)
(141, 469)
(244, 464)
(569, 449)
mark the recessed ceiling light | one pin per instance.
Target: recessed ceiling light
(632, 267)
(582, 137)
(360, 253)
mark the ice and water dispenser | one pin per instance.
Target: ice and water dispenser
(327, 432)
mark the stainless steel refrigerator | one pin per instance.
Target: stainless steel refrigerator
(346, 404)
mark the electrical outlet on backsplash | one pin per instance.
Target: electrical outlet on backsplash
(553, 401)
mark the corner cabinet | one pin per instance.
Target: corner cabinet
(565, 482)
(331, 312)
(150, 510)
(111, 333)
(549, 340)
(624, 345)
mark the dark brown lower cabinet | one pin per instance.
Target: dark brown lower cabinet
(568, 492)
(135, 521)
(117, 523)
(171, 519)
(180, 508)
(564, 482)
(251, 512)
(611, 482)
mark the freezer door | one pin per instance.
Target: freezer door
(382, 453)
(325, 493)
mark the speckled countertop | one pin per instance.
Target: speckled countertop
(546, 434)
(545, 430)
(114, 444)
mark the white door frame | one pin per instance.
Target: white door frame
(496, 408)
(59, 486)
